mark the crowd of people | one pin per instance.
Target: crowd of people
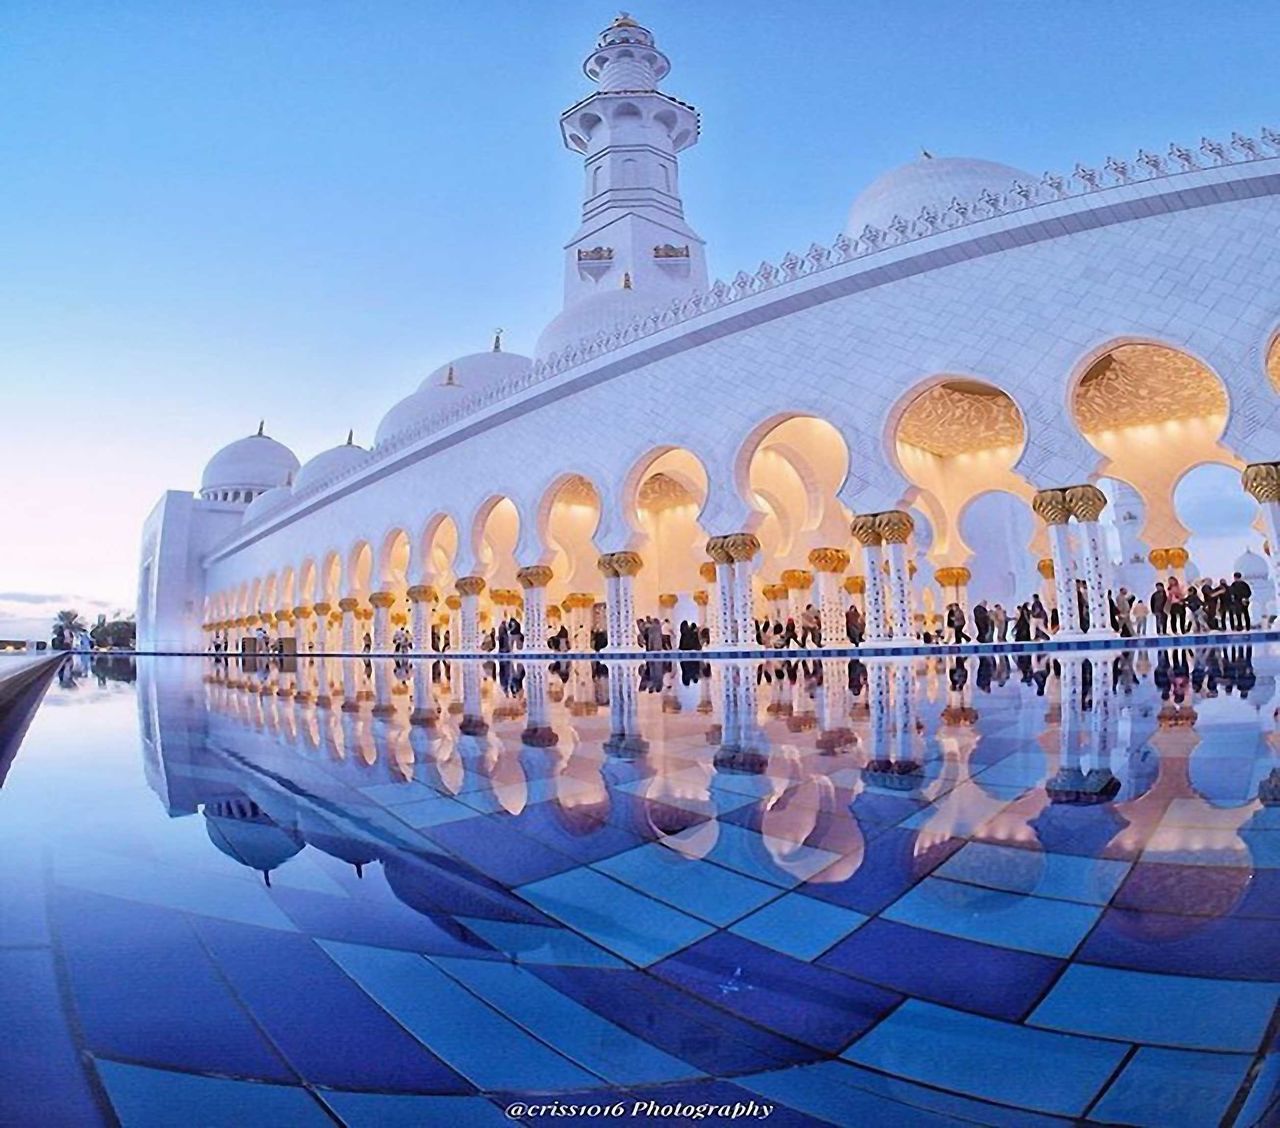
(1173, 608)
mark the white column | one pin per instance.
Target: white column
(624, 566)
(743, 548)
(422, 596)
(724, 616)
(1262, 481)
(534, 580)
(1086, 504)
(1064, 580)
(348, 608)
(710, 609)
(895, 527)
(469, 589)
(866, 533)
(829, 565)
(382, 602)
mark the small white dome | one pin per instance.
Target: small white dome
(1252, 566)
(255, 463)
(268, 502)
(602, 312)
(330, 463)
(450, 384)
(927, 182)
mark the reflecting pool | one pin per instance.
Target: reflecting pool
(939, 891)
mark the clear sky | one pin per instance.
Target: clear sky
(216, 213)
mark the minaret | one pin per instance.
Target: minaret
(633, 223)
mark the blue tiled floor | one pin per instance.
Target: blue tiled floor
(263, 929)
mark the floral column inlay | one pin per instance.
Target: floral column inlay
(742, 549)
(469, 589)
(382, 602)
(422, 596)
(722, 561)
(348, 607)
(894, 528)
(534, 580)
(829, 564)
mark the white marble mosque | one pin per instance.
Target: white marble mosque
(991, 383)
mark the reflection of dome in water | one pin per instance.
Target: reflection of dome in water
(240, 830)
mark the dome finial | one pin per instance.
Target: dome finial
(928, 156)
(450, 381)
(624, 20)
(351, 436)
(261, 424)
(626, 280)
(497, 340)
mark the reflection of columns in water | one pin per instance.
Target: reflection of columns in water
(382, 674)
(1102, 736)
(877, 710)
(624, 740)
(1052, 508)
(740, 740)
(868, 535)
(473, 722)
(534, 580)
(1087, 503)
(347, 606)
(424, 704)
(833, 704)
(904, 714)
(538, 732)
(895, 527)
(349, 685)
(829, 564)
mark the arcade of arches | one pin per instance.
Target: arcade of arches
(965, 532)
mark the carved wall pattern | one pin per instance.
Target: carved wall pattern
(1137, 384)
(953, 418)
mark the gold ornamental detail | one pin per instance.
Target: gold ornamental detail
(1262, 480)
(1051, 507)
(834, 560)
(1086, 502)
(534, 576)
(470, 585)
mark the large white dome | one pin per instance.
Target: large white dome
(450, 384)
(927, 182)
(602, 312)
(255, 463)
(331, 463)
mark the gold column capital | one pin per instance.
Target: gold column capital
(627, 563)
(578, 599)
(834, 560)
(605, 564)
(1159, 558)
(383, 599)
(741, 546)
(534, 576)
(348, 603)
(422, 593)
(668, 599)
(895, 526)
(700, 597)
(469, 585)
(707, 570)
(322, 608)
(1086, 502)
(797, 579)
(1051, 506)
(1178, 557)
(718, 550)
(1262, 480)
(302, 611)
(453, 602)
(855, 585)
(864, 530)
(1045, 567)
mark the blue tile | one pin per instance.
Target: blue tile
(541, 943)
(998, 982)
(824, 1093)
(486, 1048)
(294, 990)
(495, 847)
(712, 1039)
(890, 866)
(799, 926)
(1173, 1088)
(378, 1110)
(155, 1098)
(1164, 1010)
(633, 926)
(146, 990)
(1220, 948)
(701, 889)
(988, 916)
(42, 1080)
(815, 1006)
(980, 1057)
(743, 850)
(435, 811)
(1040, 873)
(576, 1031)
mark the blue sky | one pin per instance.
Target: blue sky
(216, 213)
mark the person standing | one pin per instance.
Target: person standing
(1139, 613)
(956, 621)
(1160, 608)
(1039, 618)
(1000, 623)
(1124, 613)
(1240, 594)
(810, 627)
(1177, 606)
(1195, 608)
(854, 626)
(1022, 625)
(982, 621)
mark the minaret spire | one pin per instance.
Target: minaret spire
(629, 134)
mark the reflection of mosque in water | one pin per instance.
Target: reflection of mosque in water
(833, 767)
